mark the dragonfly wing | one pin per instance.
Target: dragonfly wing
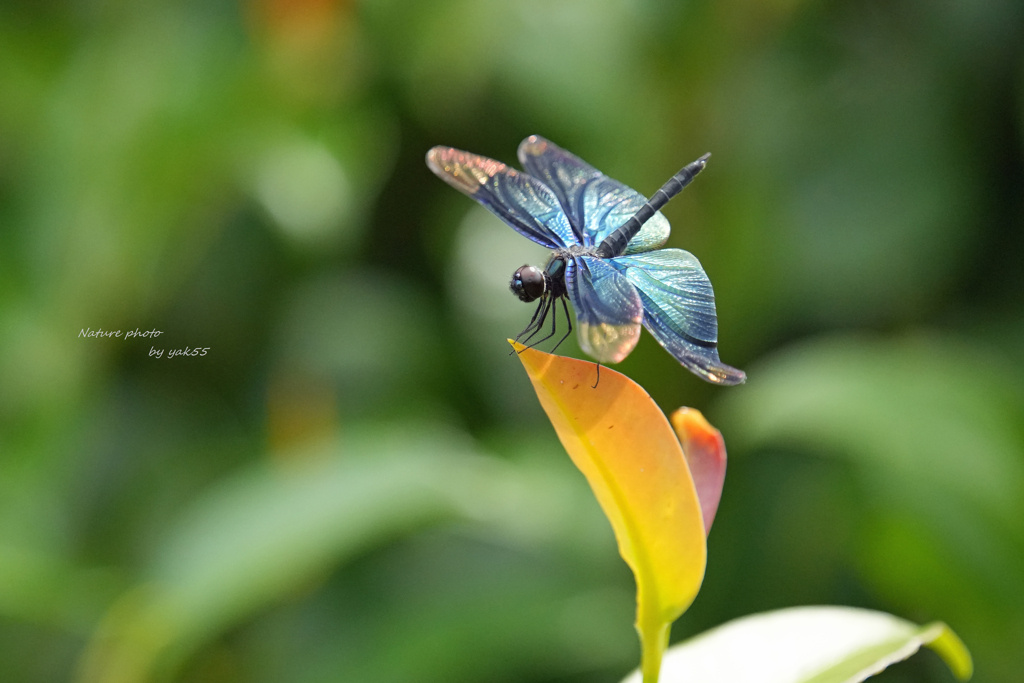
(608, 308)
(609, 204)
(565, 173)
(679, 309)
(520, 200)
(595, 204)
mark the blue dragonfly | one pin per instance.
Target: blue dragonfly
(606, 258)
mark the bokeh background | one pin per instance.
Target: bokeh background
(356, 483)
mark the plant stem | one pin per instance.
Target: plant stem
(653, 641)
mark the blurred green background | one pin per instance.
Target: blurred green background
(356, 483)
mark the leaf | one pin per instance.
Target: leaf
(704, 449)
(270, 532)
(621, 441)
(927, 413)
(49, 590)
(807, 645)
(931, 424)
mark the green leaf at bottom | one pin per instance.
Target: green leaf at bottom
(807, 645)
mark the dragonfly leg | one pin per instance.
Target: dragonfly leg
(536, 312)
(568, 319)
(545, 307)
(598, 376)
(554, 321)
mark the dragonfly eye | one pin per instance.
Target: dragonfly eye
(528, 283)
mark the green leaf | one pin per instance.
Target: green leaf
(274, 530)
(46, 589)
(931, 426)
(807, 645)
(912, 411)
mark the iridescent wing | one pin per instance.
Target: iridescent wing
(523, 202)
(679, 309)
(595, 204)
(608, 309)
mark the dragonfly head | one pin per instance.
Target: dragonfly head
(528, 283)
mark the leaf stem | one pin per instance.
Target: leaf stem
(653, 640)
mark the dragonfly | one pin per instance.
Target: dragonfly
(606, 257)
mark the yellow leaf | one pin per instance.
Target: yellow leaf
(626, 448)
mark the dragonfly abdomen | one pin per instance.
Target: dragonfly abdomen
(615, 244)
